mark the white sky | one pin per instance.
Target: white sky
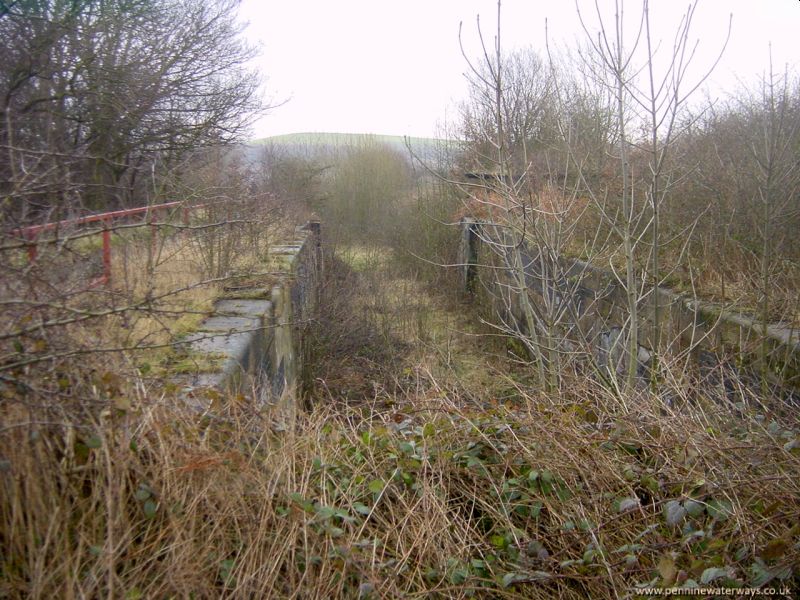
(395, 67)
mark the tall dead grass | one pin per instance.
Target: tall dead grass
(576, 496)
(455, 485)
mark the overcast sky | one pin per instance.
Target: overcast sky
(395, 67)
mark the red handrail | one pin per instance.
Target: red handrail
(35, 230)
(32, 232)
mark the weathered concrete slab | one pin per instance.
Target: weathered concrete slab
(237, 306)
(286, 248)
(256, 344)
(231, 324)
(234, 344)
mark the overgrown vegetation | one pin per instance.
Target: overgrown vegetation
(440, 469)
(445, 450)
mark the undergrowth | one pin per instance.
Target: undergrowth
(536, 498)
(433, 480)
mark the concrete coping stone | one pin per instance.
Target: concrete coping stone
(286, 248)
(230, 324)
(243, 307)
(233, 344)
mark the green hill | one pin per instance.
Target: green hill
(320, 140)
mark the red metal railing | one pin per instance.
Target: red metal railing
(31, 234)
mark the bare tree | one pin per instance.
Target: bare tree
(93, 94)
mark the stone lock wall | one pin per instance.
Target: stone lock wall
(254, 344)
(591, 306)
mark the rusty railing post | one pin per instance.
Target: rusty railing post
(107, 251)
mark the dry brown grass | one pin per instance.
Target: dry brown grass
(436, 496)
(159, 290)
(457, 484)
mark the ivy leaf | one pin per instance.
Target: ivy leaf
(713, 573)
(693, 507)
(142, 494)
(334, 531)
(512, 578)
(720, 510)
(459, 576)
(674, 513)
(324, 512)
(362, 509)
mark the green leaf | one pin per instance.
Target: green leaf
(150, 509)
(324, 512)
(586, 525)
(651, 483)
(226, 565)
(568, 563)
(760, 574)
(563, 493)
(142, 494)
(429, 430)
(362, 509)
(459, 575)
(474, 461)
(629, 548)
(713, 573)
(94, 442)
(498, 541)
(134, 594)
(512, 578)
(407, 448)
(95, 550)
(376, 486)
(694, 508)
(720, 510)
